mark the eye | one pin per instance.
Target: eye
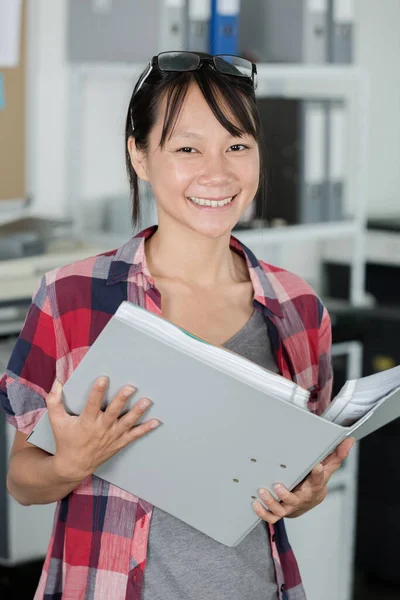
(238, 148)
(187, 150)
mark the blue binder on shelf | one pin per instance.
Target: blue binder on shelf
(224, 27)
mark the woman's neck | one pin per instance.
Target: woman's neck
(184, 255)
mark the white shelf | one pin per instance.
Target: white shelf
(297, 233)
(308, 81)
(381, 247)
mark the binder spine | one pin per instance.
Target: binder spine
(198, 16)
(313, 143)
(336, 162)
(172, 35)
(341, 31)
(224, 30)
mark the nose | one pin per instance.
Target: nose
(216, 173)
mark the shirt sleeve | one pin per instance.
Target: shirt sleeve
(325, 371)
(31, 369)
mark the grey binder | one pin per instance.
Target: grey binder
(197, 27)
(341, 30)
(336, 160)
(221, 437)
(314, 161)
(123, 30)
(285, 30)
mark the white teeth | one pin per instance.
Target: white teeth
(213, 203)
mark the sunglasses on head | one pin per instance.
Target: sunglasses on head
(180, 62)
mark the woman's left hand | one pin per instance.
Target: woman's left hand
(311, 492)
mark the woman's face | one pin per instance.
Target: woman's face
(200, 161)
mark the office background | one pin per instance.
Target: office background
(331, 115)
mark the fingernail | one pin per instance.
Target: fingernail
(319, 468)
(278, 487)
(263, 492)
(128, 391)
(257, 505)
(145, 403)
(155, 424)
(102, 382)
(56, 386)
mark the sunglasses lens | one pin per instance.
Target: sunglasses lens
(233, 65)
(178, 61)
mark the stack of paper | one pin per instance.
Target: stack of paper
(359, 396)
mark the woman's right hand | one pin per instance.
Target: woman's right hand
(85, 442)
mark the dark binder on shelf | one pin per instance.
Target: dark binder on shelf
(295, 139)
(224, 29)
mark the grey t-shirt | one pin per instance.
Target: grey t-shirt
(185, 564)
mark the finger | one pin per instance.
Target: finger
(54, 403)
(93, 404)
(292, 499)
(273, 505)
(139, 431)
(340, 453)
(334, 460)
(344, 448)
(132, 417)
(264, 514)
(317, 477)
(114, 409)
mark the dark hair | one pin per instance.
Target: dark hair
(238, 93)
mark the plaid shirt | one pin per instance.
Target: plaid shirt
(99, 540)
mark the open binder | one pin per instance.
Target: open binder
(228, 427)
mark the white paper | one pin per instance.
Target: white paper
(228, 8)
(343, 11)
(10, 32)
(318, 6)
(199, 10)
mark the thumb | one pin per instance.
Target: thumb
(54, 403)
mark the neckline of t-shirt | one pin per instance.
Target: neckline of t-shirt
(243, 329)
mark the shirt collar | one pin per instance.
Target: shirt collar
(130, 261)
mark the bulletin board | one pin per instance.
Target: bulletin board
(12, 126)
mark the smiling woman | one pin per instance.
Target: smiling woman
(203, 128)
(193, 132)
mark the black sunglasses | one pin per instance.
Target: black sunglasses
(179, 62)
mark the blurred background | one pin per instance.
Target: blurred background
(329, 96)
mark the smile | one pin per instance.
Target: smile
(212, 203)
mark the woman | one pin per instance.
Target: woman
(193, 132)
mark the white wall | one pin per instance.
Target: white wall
(378, 50)
(47, 105)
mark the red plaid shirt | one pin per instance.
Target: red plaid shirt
(99, 541)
